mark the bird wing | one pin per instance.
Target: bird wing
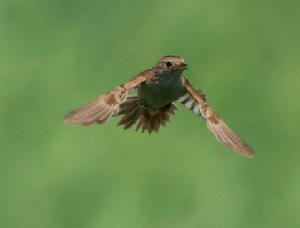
(195, 101)
(107, 105)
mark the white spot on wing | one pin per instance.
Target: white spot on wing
(196, 110)
(183, 98)
(189, 104)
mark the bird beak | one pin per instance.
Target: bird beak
(182, 66)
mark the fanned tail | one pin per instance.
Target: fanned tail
(152, 123)
(133, 113)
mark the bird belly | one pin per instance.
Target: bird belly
(155, 96)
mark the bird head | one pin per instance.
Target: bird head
(171, 64)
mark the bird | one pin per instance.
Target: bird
(156, 91)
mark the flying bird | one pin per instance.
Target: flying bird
(153, 105)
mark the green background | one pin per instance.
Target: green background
(56, 55)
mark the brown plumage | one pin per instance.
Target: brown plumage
(195, 101)
(157, 90)
(134, 113)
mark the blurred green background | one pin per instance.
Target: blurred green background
(56, 55)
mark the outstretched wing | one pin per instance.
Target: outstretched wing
(196, 102)
(107, 105)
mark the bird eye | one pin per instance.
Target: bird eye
(168, 64)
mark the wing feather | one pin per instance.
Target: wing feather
(105, 106)
(195, 101)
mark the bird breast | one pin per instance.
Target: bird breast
(157, 95)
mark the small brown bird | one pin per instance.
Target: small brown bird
(157, 90)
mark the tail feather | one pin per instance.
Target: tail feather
(133, 113)
(152, 123)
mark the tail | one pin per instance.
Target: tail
(133, 113)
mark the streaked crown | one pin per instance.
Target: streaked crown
(170, 63)
(172, 58)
